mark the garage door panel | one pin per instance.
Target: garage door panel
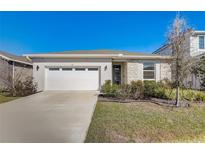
(72, 79)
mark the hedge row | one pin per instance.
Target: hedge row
(148, 89)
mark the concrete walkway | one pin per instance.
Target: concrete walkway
(51, 116)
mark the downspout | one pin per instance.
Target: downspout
(13, 75)
(160, 70)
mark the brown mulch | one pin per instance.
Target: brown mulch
(113, 99)
(161, 102)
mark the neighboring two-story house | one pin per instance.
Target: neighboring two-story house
(195, 43)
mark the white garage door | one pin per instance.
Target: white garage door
(67, 78)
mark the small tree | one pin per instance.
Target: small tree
(181, 65)
(19, 85)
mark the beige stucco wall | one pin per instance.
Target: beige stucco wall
(39, 76)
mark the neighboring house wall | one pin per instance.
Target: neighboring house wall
(5, 73)
(39, 76)
(21, 71)
(165, 51)
(192, 46)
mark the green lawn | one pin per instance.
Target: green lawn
(4, 99)
(146, 122)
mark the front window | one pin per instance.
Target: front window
(201, 42)
(148, 71)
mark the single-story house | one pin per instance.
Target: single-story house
(13, 68)
(89, 69)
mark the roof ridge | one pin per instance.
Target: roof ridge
(100, 51)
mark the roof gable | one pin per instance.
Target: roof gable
(11, 57)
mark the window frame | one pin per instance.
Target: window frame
(203, 42)
(67, 69)
(80, 69)
(54, 69)
(92, 69)
(154, 70)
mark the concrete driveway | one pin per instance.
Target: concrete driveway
(51, 116)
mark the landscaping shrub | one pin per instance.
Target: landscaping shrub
(170, 93)
(106, 88)
(155, 89)
(23, 88)
(149, 89)
(124, 92)
(193, 95)
(109, 90)
(137, 89)
(159, 92)
(166, 83)
(200, 96)
(187, 94)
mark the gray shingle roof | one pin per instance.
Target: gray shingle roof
(14, 57)
(102, 52)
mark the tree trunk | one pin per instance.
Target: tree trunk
(177, 97)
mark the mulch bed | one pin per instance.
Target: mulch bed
(157, 101)
(113, 99)
(169, 102)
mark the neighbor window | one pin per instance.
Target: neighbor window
(148, 71)
(201, 42)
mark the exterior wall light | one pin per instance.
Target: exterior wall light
(105, 68)
(37, 68)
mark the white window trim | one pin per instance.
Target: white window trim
(150, 71)
(198, 43)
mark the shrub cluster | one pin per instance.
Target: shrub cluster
(110, 90)
(23, 88)
(149, 89)
(124, 91)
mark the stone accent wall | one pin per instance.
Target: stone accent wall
(134, 71)
(165, 71)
